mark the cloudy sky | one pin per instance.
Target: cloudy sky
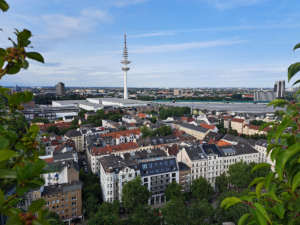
(171, 43)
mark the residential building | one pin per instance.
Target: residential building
(119, 137)
(77, 137)
(196, 131)
(155, 142)
(110, 123)
(184, 177)
(60, 89)
(238, 124)
(61, 125)
(177, 92)
(63, 199)
(261, 146)
(249, 129)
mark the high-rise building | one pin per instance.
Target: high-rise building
(279, 88)
(60, 89)
(125, 62)
(177, 92)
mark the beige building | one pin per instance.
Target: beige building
(63, 199)
(252, 129)
(77, 137)
(238, 124)
(196, 131)
(177, 92)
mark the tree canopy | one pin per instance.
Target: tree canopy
(222, 182)
(174, 191)
(173, 112)
(39, 120)
(53, 129)
(201, 189)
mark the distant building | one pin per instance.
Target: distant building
(177, 92)
(264, 96)
(279, 88)
(60, 89)
(16, 89)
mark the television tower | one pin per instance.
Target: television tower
(125, 68)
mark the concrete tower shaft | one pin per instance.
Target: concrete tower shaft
(125, 62)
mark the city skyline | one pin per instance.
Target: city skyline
(204, 43)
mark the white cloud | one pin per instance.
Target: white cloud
(153, 34)
(96, 14)
(121, 3)
(184, 46)
(226, 4)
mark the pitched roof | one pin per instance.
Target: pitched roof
(211, 127)
(223, 143)
(126, 133)
(253, 127)
(142, 115)
(73, 133)
(193, 127)
(238, 120)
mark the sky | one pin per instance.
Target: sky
(171, 43)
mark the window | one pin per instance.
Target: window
(74, 203)
(53, 202)
(74, 209)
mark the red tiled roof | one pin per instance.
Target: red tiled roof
(237, 120)
(227, 117)
(211, 127)
(190, 120)
(254, 127)
(49, 159)
(176, 132)
(142, 115)
(223, 143)
(123, 133)
(123, 147)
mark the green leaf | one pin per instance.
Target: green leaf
(226, 201)
(263, 126)
(259, 166)
(8, 173)
(268, 180)
(296, 46)
(260, 219)
(259, 186)
(40, 222)
(35, 56)
(279, 208)
(275, 152)
(3, 142)
(272, 190)
(262, 210)
(25, 64)
(21, 190)
(15, 69)
(34, 128)
(278, 102)
(282, 126)
(2, 52)
(271, 146)
(7, 154)
(39, 182)
(28, 96)
(291, 140)
(243, 219)
(36, 205)
(246, 198)
(292, 70)
(2, 199)
(296, 182)
(278, 164)
(233, 202)
(290, 152)
(256, 180)
(1, 62)
(3, 6)
(24, 35)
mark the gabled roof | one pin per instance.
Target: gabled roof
(211, 149)
(223, 143)
(73, 133)
(211, 127)
(238, 120)
(123, 133)
(193, 127)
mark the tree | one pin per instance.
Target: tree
(82, 112)
(40, 120)
(90, 204)
(202, 212)
(74, 122)
(110, 208)
(53, 129)
(60, 118)
(102, 218)
(222, 182)
(135, 194)
(153, 119)
(146, 216)
(239, 174)
(174, 191)
(54, 217)
(232, 214)
(122, 128)
(257, 122)
(175, 212)
(201, 189)
(146, 131)
(233, 132)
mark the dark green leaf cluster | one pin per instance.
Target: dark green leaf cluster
(162, 131)
(174, 112)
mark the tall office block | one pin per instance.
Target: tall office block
(279, 88)
(60, 89)
(125, 62)
(177, 92)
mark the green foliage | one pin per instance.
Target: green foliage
(102, 218)
(257, 122)
(39, 120)
(122, 128)
(222, 182)
(201, 189)
(202, 212)
(82, 112)
(54, 217)
(74, 122)
(280, 204)
(110, 208)
(65, 130)
(146, 216)
(233, 132)
(135, 194)
(175, 212)
(153, 119)
(234, 213)
(175, 111)
(3, 5)
(174, 191)
(53, 129)
(162, 131)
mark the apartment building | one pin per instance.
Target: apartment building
(128, 119)
(156, 142)
(76, 136)
(184, 177)
(209, 161)
(114, 171)
(61, 172)
(196, 131)
(110, 123)
(249, 129)
(261, 146)
(119, 137)
(238, 124)
(95, 154)
(63, 199)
